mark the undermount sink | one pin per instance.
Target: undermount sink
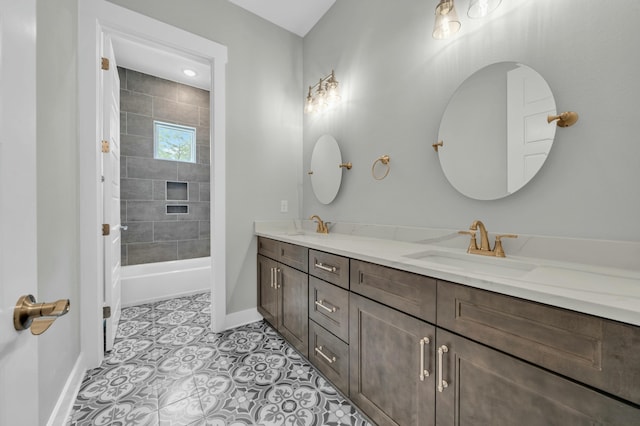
(503, 267)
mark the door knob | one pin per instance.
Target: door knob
(37, 316)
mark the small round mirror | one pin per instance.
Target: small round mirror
(326, 174)
(494, 131)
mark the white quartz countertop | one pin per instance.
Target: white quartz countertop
(601, 290)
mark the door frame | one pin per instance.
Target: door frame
(95, 18)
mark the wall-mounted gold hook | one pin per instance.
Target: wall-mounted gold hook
(37, 316)
(346, 165)
(565, 119)
(437, 145)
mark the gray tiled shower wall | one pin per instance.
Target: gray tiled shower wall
(154, 235)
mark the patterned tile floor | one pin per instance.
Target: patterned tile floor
(168, 368)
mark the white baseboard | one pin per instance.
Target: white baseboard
(236, 319)
(67, 398)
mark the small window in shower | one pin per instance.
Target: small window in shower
(174, 142)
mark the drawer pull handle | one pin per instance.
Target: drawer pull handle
(322, 354)
(423, 371)
(324, 267)
(442, 384)
(330, 309)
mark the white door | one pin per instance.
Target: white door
(529, 136)
(18, 264)
(111, 191)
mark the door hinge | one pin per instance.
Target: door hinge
(104, 64)
(105, 146)
(106, 229)
(102, 179)
(106, 312)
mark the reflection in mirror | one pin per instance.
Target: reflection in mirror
(494, 131)
(326, 173)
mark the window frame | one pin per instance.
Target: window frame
(163, 124)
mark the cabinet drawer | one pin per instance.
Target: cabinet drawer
(329, 267)
(329, 307)
(589, 349)
(268, 247)
(294, 256)
(410, 293)
(330, 355)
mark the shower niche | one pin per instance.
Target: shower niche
(177, 191)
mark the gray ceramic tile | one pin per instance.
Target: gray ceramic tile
(194, 172)
(203, 152)
(175, 112)
(137, 103)
(197, 211)
(138, 232)
(123, 210)
(202, 135)
(151, 252)
(136, 146)
(136, 189)
(123, 255)
(180, 230)
(193, 96)
(123, 167)
(160, 190)
(140, 125)
(148, 168)
(147, 211)
(205, 193)
(139, 82)
(194, 191)
(205, 229)
(193, 248)
(122, 75)
(205, 117)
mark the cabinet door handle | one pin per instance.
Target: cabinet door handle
(423, 371)
(272, 270)
(442, 384)
(278, 276)
(322, 354)
(324, 267)
(330, 309)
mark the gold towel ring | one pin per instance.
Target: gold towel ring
(382, 160)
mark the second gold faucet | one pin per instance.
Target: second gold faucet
(485, 249)
(322, 226)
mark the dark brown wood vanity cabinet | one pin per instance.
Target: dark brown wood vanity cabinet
(283, 290)
(329, 316)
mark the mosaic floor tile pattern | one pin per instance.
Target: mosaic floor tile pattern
(168, 368)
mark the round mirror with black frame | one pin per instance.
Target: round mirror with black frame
(494, 135)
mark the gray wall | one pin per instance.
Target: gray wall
(263, 123)
(152, 234)
(397, 81)
(57, 194)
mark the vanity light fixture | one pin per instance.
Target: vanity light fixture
(323, 95)
(447, 22)
(481, 8)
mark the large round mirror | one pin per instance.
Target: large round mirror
(326, 173)
(494, 131)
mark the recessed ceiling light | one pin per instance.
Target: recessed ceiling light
(189, 72)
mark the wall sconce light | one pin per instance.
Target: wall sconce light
(447, 22)
(481, 8)
(325, 96)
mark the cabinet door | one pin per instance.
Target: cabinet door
(487, 387)
(293, 312)
(267, 290)
(386, 360)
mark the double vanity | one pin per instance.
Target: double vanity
(416, 331)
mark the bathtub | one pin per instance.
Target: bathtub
(156, 281)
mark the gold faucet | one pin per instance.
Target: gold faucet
(322, 227)
(485, 249)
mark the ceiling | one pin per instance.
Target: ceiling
(297, 16)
